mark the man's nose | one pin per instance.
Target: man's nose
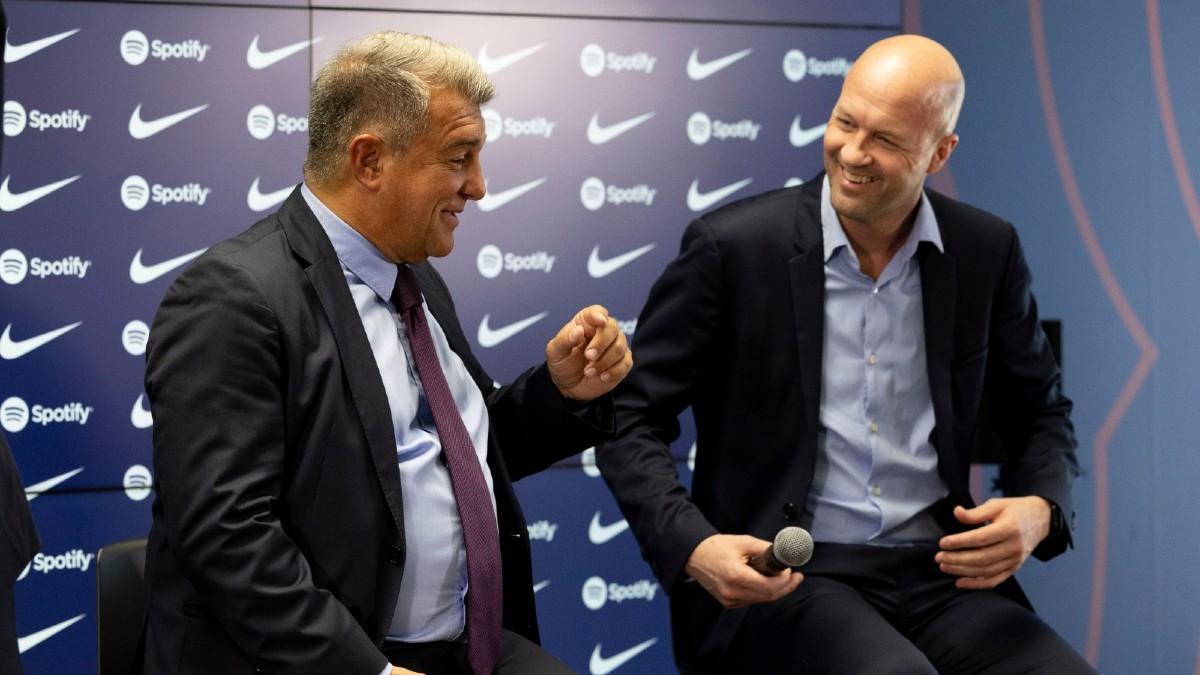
(474, 187)
(853, 153)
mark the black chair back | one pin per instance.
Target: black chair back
(120, 604)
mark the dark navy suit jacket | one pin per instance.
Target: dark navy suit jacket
(734, 328)
(278, 541)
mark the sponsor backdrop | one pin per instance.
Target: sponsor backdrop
(137, 134)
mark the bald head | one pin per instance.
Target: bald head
(918, 70)
(892, 125)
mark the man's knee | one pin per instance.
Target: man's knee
(520, 656)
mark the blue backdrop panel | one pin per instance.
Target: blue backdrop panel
(56, 594)
(1079, 126)
(140, 196)
(874, 13)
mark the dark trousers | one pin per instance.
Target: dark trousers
(869, 609)
(10, 658)
(518, 656)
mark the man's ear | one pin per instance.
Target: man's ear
(367, 154)
(942, 153)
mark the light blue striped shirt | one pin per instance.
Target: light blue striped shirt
(876, 471)
(431, 603)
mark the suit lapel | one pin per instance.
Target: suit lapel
(324, 272)
(939, 273)
(807, 275)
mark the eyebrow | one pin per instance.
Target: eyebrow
(471, 142)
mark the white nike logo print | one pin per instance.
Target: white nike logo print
(32, 491)
(602, 534)
(698, 71)
(490, 337)
(600, 665)
(540, 585)
(258, 60)
(140, 415)
(800, 137)
(601, 268)
(598, 135)
(11, 201)
(495, 64)
(143, 274)
(491, 202)
(15, 349)
(257, 201)
(32, 640)
(14, 53)
(142, 129)
(701, 201)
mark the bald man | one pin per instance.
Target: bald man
(835, 342)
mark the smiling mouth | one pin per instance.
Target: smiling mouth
(857, 179)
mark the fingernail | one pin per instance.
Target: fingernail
(591, 354)
(590, 372)
(605, 377)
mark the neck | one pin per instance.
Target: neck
(876, 243)
(350, 207)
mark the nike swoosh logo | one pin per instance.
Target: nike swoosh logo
(600, 665)
(800, 137)
(601, 268)
(602, 534)
(11, 201)
(701, 201)
(495, 64)
(14, 53)
(257, 59)
(257, 201)
(540, 585)
(698, 71)
(491, 202)
(598, 135)
(142, 129)
(32, 640)
(32, 491)
(15, 349)
(490, 337)
(144, 274)
(140, 416)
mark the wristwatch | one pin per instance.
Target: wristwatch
(1058, 523)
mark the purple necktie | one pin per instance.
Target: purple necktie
(480, 533)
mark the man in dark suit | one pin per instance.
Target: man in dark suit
(835, 341)
(320, 433)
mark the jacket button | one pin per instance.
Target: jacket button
(789, 512)
(396, 556)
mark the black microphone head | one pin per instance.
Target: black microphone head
(793, 546)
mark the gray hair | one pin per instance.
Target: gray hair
(381, 84)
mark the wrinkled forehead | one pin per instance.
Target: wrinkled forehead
(888, 102)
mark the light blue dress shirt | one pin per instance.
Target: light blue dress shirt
(431, 605)
(876, 471)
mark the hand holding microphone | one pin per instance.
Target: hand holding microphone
(721, 564)
(792, 548)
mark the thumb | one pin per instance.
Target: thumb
(562, 345)
(980, 514)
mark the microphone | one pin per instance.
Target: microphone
(792, 548)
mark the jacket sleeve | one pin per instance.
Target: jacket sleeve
(216, 381)
(674, 341)
(1028, 402)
